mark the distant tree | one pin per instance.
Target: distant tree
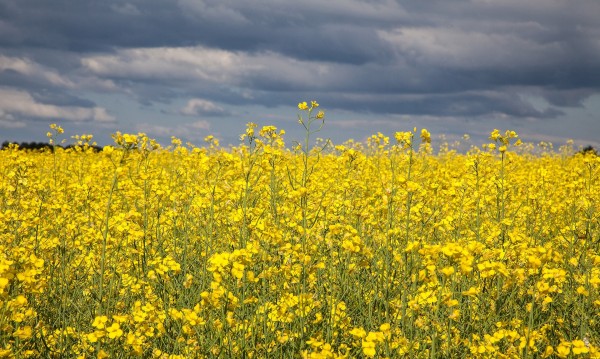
(589, 149)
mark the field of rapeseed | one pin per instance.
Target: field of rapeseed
(375, 250)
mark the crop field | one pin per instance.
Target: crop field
(382, 249)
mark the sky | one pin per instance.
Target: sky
(192, 68)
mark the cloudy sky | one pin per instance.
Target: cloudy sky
(190, 68)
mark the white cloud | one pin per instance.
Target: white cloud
(201, 125)
(198, 106)
(20, 102)
(126, 9)
(34, 70)
(175, 63)
(45, 75)
(158, 130)
(206, 65)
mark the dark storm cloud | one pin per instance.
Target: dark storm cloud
(88, 25)
(294, 30)
(440, 58)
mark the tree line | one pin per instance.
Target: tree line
(41, 146)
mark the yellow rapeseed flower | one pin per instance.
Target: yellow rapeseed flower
(579, 347)
(368, 348)
(114, 331)
(23, 332)
(100, 322)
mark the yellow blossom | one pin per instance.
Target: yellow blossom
(114, 331)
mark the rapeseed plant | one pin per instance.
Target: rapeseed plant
(375, 250)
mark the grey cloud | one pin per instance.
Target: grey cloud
(567, 98)
(451, 105)
(126, 9)
(90, 25)
(61, 99)
(335, 31)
